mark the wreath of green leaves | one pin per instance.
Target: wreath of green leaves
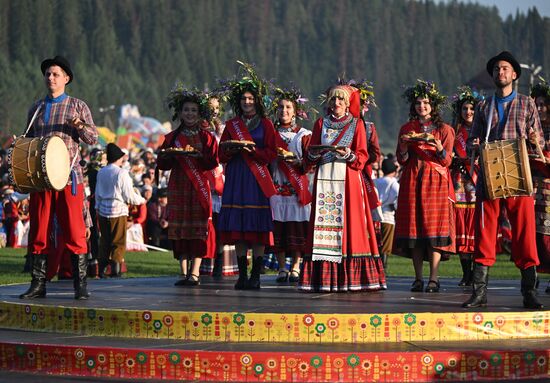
(179, 95)
(425, 89)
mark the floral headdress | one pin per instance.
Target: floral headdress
(426, 89)
(464, 95)
(541, 89)
(294, 95)
(365, 88)
(366, 93)
(249, 81)
(179, 95)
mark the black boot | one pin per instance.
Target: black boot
(115, 270)
(218, 266)
(254, 281)
(242, 262)
(93, 268)
(466, 272)
(479, 287)
(28, 263)
(38, 282)
(101, 266)
(529, 289)
(80, 268)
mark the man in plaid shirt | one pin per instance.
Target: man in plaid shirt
(70, 119)
(509, 116)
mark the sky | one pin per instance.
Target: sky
(507, 7)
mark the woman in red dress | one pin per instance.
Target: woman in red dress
(189, 152)
(424, 222)
(464, 175)
(541, 180)
(343, 252)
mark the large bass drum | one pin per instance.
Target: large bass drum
(36, 164)
(506, 169)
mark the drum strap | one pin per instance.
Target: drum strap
(32, 120)
(489, 125)
(490, 121)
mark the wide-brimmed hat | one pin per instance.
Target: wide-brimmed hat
(504, 56)
(113, 153)
(60, 61)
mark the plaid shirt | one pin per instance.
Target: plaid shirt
(521, 116)
(60, 112)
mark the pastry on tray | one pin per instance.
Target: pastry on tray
(187, 150)
(418, 137)
(238, 143)
(330, 148)
(285, 154)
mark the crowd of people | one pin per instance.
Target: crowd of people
(325, 206)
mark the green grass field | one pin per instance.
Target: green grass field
(153, 264)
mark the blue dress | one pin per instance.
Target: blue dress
(245, 214)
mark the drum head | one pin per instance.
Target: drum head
(57, 163)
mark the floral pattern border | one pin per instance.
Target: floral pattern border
(276, 327)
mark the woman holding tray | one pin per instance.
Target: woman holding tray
(424, 221)
(247, 146)
(343, 252)
(189, 152)
(464, 175)
(541, 180)
(291, 205)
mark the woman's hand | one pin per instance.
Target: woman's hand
(402, 145)
(437, 144)
(343, 152)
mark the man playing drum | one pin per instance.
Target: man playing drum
(507, 115)
(70, 119)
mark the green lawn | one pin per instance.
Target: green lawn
(152, 264)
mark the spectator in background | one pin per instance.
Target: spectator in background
(148, 157)
(114, 191)
(388, 190)
(137, 170)
(157, 220)
(98, 159)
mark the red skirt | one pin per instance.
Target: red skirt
(352, 274)
(465, 238)
(289, 237)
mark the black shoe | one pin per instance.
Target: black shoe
(479, 287)
(80, 272)
(417, 286)
(529, 281)
(254, 281)
(294, 276)
(432, 287)
(38, 282)
(242, 282)
(282, 277)
(193, 280)
(182, 280)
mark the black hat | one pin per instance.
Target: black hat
(113, 153)
(504, 56)
(388, 166)
(59, 61)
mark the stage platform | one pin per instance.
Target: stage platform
(147, 328)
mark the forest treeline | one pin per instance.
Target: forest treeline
(132, 51)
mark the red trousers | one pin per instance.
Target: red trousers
(521, 214)
(68, 209)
